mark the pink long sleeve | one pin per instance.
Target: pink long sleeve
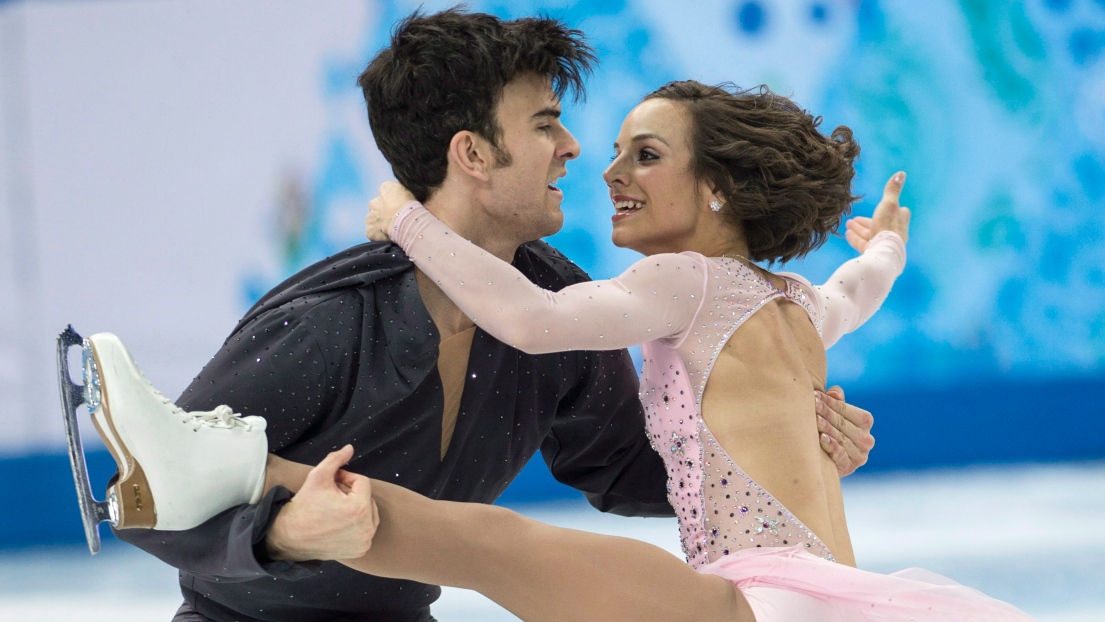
(655, 298)
(858, 288)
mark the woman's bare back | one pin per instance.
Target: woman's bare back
(759, 404)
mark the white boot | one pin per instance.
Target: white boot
(176, 469)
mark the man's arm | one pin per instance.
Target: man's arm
(606, 453)
(273, 367)
(598, 443)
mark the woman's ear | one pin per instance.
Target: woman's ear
(711, 197)
(714, 193)
(470, 153)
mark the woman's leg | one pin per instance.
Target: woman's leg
(537, 571)
(281, 472)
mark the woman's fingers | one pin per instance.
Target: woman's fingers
(395, 195)
(375, 225)
(892, 191)
(383, 209)
(861, 221)
(860, 225)
(856, 241)
(858, 232)
(889, 215)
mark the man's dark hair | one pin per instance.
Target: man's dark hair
(444, 73)
(784, 183)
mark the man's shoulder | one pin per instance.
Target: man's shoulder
(547, 266)
(355, 268)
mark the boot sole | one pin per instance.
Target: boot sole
(132, 491)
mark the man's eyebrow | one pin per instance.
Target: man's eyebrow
(640, 137)
(546, 112)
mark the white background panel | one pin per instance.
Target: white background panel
(161, 132)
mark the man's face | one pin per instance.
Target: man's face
(523, 192)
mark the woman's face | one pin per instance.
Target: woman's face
(658, 204)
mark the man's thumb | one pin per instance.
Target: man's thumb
(323, 474)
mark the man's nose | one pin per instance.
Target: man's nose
(569, 149)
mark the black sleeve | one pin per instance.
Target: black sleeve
(227, 548)
(273, 367)
(598, 442)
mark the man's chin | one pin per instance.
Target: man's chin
(554, 224)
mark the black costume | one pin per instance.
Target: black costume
(345, 352)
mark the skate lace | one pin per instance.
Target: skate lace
(221, 417)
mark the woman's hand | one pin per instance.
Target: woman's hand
(383, 209)
(888, 216)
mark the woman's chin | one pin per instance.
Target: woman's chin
(624, 241)
(618, 238)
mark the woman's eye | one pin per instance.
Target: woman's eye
(644, 155)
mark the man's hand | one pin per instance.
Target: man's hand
(889, 216)
(845, 430)
(383, 209)
(333, 516)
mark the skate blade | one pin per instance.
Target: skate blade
(93, 511)
(134, 505)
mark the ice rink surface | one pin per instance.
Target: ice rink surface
(1030, 535)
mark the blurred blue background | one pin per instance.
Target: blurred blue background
(991, 348)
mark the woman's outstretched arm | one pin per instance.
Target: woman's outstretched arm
(656, 297)
(858, 288)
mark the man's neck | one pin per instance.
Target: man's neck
(473, 224)
(447, 317)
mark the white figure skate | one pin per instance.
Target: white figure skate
(176, 469)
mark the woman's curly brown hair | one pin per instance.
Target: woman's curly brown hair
(786, 185)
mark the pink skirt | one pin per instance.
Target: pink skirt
(791, 584)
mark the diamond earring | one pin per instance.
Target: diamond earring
(715, 205)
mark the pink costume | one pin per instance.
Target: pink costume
(683, 308)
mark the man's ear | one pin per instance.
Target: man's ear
(471, 154)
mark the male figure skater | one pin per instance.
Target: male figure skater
(363, 349)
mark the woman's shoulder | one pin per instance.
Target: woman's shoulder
(663, 262)
(795, 278)
(806, 294)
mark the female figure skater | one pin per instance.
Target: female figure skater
(704, 182)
